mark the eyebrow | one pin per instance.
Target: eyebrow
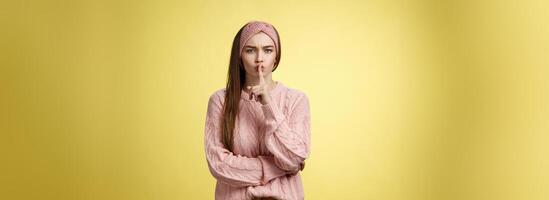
(268, 46)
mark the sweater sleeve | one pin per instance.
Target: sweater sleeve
(226, 167)
(288, 137)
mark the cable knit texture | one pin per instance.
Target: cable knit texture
(271, 143)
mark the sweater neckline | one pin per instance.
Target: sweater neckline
(246, 96)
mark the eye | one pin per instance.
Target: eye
(268, 50)
(249, 51)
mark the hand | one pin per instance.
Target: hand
(261, 91)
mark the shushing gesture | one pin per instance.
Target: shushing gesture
(261, 91)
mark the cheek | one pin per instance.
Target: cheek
(272, 58)
(247, 60)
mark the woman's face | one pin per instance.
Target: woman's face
(259, 50)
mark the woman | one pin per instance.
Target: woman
(257, 132)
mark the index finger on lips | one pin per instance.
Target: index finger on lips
(261, 79)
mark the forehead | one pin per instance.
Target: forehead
(259, 39)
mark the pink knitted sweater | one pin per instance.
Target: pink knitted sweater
(271, 143)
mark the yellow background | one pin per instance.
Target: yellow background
(409, 99)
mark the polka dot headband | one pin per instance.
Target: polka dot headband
(255, 27)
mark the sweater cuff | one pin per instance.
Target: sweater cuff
(270, 170)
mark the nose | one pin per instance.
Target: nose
(259, 57)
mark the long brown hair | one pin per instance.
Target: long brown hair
(236, 77)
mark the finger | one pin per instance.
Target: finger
(257, 90)
(249, 91)
(261, 79)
